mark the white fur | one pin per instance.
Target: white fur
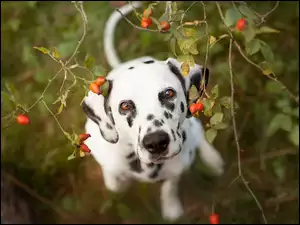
(142, 85)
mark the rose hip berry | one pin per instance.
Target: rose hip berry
(146, 22)
(100, 81)
(165, 26)
(23, 119)
(147, 12)
(95, 88)
(214, 219)
(85, 148)
(193, 108)
(199, 106)
(83, 137)
(241, 24)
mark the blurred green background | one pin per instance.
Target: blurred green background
(41, 186)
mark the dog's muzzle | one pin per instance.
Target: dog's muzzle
(156, 143)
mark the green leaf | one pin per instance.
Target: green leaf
(56, 54)
(215, 91)
(193, 93)
(211, 134)
(279, 121)
(123, 211)
(252, 46)
(249, 33)
(188, 46)
(189, 32)
(89, 62)
(212, 40)
(232, 16)
(104, 89)
(247, 12)
(173, 46)
(164, 17)
(220, 126)
(72, 156)
(186, 58)
(174, 7)
(216, 118)
(61, 107)
(42, 49)
(294, 135)
(279, 169)
(266, 29)
(225, 101)
(266, 51)
(99, 71)
(177, 16)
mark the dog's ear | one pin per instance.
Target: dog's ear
(195, 76)
(96, 108)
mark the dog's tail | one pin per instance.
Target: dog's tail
(109, 30)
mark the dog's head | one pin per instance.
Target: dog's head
(145, 108)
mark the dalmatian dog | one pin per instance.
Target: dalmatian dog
(143, 130)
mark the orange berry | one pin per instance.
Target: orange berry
(23, 119)
(165, 25)
(214, 219)
(100, 81)
(241, 24)
(147, 12)
(83, 137)
(146, 22)
(85, 148)
(199, 106)
(193, 108)
(95, 88)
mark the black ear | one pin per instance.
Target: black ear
(97, 109)
(194, 77)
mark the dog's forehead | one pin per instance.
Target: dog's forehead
(145, 79)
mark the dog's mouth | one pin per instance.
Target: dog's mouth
(162, 158)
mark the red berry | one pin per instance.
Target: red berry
(193, 108)
(199, 106)
(100, 81)
(83, 137)
(23, 119)
(214, 219)
(146, 22)
(85, 148)
(165, 25)
(147, 12)
(95, 88)
(241, 24)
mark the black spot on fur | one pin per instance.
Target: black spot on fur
(155, 172)
(149, 62)
(182, 107)
(109, 140)
(109, 126)
(177, 132)
(149, 130)
(190, 153)
(129, 121)
(178, 126)
(183, 136)
(135, 165)
(130, 68)
(90, 113)
(150, 117)
(130, 155)
(168, 115)
(150, 165)
(109, 113)
(162, 121)
(130, 145)
(157, 123)
(177, 73)
(140, 130)
(173, 133)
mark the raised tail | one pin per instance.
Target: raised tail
(109, 30)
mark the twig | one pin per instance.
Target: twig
(240, 174)
(135, 26)
(274, 77)
(84, 21)
(187, 11)
(34, 194)
(168, 9)
(46, 88)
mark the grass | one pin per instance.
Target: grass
(73, 191)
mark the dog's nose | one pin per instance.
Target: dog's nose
(156, 142)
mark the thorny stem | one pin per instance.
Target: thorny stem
(84, 20)
(240, 174)
(274, 77)
(49, 110)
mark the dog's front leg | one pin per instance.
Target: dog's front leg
(115, 182)
(170, 202)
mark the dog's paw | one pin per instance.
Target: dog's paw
(172, 212)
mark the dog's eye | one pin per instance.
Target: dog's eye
(125, 106)
(169, 93)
